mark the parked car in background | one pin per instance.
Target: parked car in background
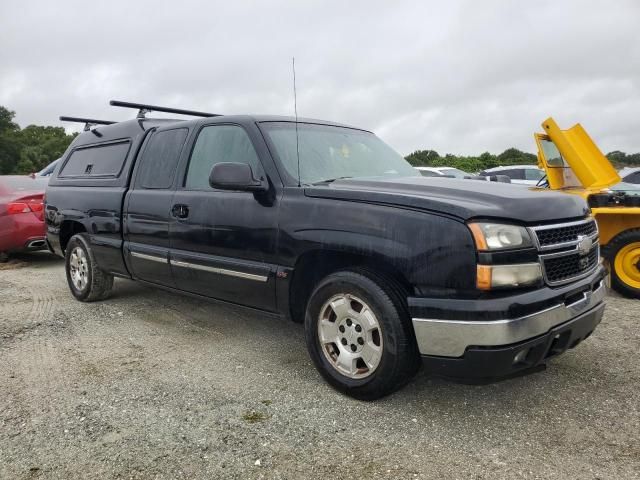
(522, 174)
(48, 170)
(442, 172)
(630, 175)
(21, 214)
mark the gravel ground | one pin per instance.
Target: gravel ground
(154, 385)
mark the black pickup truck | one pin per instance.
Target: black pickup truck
(327, 225)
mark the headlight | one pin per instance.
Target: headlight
(508, 276)
(499, 236)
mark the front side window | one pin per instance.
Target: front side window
(218, 144)
(329, 152)
(160, 158)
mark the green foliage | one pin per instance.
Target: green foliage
(511, 156)
(30, 149)
(621, 159)
(431, 158)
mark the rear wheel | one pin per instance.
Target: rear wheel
(623, 255)
(359, 335)
(86, 281)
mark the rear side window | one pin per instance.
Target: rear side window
(515, 173)
(633, 178)
(104, 160)
(217, 144)
(160, 158)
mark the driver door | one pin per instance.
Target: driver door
(223, 243)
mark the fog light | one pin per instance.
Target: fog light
(520, 356)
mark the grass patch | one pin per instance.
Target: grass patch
(254, 417)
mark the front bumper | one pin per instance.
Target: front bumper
(487, 347)
(500, 362)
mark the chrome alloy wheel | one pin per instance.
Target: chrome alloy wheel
(350, 336)
(79, 268)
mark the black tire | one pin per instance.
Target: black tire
(4, 257)
(612, 249)
(98, 283)
(400, 359)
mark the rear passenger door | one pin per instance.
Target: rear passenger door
(148, 206)
(223, 243)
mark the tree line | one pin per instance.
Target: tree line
(511, 156)
(30, 149)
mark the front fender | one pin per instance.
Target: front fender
(432, 252)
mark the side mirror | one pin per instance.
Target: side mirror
(234, 176)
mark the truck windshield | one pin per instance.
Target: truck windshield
(328, 153)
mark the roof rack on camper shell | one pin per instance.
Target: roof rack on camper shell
(88, 122)
(143, 109)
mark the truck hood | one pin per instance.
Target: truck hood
(464, 199)
(589, 165)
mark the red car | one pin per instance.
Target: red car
(21, 214)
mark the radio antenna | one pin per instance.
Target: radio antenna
(295, 108)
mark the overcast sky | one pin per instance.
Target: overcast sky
(458, 77)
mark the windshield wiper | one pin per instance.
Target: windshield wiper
(329, 180)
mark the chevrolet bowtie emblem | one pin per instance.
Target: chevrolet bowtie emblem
(584, 244)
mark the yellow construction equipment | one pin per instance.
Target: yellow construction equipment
(574, 164)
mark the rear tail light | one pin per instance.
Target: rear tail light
(27, 205)
(17, 207)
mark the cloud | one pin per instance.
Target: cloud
(459, 77)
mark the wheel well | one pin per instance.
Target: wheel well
(67, 230)
(313, 266)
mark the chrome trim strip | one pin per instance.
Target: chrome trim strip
(564, 224)
(221, 271)
(152, 258)
(450, 338)
(564, 254)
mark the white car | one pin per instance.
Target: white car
(522, 174)
(441, 172)
(630, 175)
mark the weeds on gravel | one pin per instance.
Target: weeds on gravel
(254, 417)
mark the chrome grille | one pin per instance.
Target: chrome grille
(568, 251)
(560, 268)
(565, 234)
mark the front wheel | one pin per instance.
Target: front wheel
(623, 255)
(86, 281)
(359, 335)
